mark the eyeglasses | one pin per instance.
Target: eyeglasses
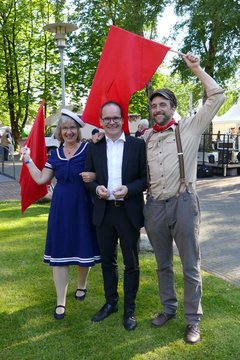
(71, 128)
(115, 119)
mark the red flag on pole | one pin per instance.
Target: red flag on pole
(127, 63)
(30, 190)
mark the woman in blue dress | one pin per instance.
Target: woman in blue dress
(71, 238)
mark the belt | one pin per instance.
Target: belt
(116, 203)
(162, 201)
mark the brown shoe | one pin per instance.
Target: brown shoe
(162, 318)
(192, 335)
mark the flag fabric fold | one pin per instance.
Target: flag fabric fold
(127, 63)
(30, 190)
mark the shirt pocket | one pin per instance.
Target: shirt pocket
(171, 145)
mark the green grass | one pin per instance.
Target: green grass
(29, 331)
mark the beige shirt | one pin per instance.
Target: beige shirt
(162, 157)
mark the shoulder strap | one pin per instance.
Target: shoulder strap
(148, 175)
(180, 158)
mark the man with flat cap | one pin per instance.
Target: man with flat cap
(172, 210)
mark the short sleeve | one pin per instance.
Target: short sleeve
(49, 162)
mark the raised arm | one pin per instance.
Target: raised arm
(194, 65)
(40, 177)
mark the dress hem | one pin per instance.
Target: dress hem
(66, 263)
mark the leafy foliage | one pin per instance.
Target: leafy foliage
(30, 64)
(93, 21)
(24, 59)
(211, 29)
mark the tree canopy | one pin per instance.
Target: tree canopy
(25, 63)
(211, 29)
(30, 63)
(93, 20)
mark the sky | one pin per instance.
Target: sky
(165, 24)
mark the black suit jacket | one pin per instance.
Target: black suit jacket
(133, 176)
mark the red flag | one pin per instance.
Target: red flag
(30, 190)
(127, 63)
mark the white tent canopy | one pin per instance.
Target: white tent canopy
(231, 118)
(233, 114)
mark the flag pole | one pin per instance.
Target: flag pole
(177, 52)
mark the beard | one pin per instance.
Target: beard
(164, 118)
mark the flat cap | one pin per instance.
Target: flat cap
(166, 93)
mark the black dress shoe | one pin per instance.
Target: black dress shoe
(129, 322)
(104, 312)
(59, 316)
(192, 335)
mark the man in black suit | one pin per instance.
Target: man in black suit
(119, 162)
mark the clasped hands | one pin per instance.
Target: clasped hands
(118, 193)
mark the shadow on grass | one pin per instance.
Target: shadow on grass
(34, 331)
(12, 210)
(29, 331)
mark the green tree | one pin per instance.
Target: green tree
(210, 29)
(26, 66)
(93, 19)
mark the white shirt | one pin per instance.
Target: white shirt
(114, 163)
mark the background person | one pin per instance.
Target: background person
(231, 133)
(142, 127)
(119, 162)
(6, 140)
(138, 132)
(95, 133)
(172, 209)
(71, 238)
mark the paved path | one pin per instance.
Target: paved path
(10, 188)
(220, 230)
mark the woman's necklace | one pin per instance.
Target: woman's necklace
(70, 150)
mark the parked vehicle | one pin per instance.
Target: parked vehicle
(50, 140)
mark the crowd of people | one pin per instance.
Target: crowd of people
(98, 201)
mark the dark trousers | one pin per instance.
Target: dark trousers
(5, 153)
(116, 226)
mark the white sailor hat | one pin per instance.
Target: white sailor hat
(73, 116)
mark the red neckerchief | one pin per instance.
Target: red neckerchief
(143, 131)
(158, 128)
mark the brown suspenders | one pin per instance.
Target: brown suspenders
(182, 184)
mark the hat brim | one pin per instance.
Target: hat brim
(73, 116)
(160, 93)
